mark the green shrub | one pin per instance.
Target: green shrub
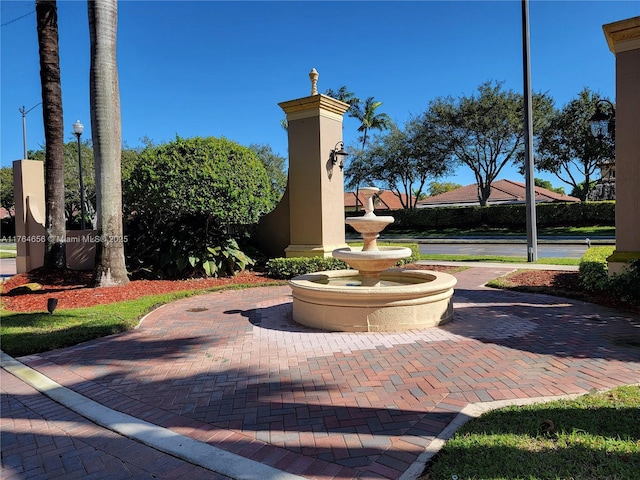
(593, 269)
(285, 268)
(188, 201)
(626, 286)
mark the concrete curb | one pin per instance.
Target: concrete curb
(162, 439)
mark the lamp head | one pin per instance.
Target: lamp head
(599, 123)
(78, 128)
(338, 151)
(603, 123)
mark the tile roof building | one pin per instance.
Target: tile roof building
(502, 192)
(384, 200)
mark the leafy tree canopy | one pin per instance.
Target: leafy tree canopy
(485, 131)
(436, 188)
(404, 159)
(539, 182)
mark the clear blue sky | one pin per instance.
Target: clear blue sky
(221, 68)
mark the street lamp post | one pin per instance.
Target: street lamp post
(78, 128)
(24, 112)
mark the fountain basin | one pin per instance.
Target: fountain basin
(372, 260)
(403, 300)
(369, 223)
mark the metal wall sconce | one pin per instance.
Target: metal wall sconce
(338, 151)
(602, 123)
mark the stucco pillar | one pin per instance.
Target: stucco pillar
(28, 192)
(623, 38)
(315, 191)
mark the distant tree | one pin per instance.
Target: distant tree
(567, 147)
(275, 166)
(370, 119)
(357, 171)
(539, 182)
(420, 195)
(485, 131)
(436, 188)
(106, 130)
(47, 26)
(6, 190)
(405, 159)
(582, 189)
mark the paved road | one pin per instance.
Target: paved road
(504, 249)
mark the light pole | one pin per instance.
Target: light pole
(24, 112)
(532, 232)
(602, 123)
(78, 128)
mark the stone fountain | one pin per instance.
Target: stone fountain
(373, 297)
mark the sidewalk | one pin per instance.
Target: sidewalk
(228, 383)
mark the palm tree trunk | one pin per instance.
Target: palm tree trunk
(107, 142)
(47, 25)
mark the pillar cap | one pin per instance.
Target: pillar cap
(624, 35)
(315, 102)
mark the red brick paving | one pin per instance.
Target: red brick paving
(43, 439)
(233, 369)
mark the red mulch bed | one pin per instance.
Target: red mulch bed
(73, 290)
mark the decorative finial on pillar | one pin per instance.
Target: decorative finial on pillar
(313, 75)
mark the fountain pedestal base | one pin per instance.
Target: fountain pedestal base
(403, 300)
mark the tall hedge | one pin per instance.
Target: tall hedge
(507, 216)
(185, 198)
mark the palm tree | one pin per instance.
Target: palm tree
(47, 26)
(369, 119)
(345, 96)
(107, 145)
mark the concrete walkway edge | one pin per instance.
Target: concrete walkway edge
(159, 438)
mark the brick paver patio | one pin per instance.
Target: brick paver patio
(232, 369)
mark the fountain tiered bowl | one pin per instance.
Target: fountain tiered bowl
(372, 297)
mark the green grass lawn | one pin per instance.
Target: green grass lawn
(497, 258)
(594, 437)
(7, 251)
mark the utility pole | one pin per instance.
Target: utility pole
(24, 112)
(532, 240)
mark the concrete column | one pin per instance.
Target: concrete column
(315, 191)
(623, 38)
(28, 192)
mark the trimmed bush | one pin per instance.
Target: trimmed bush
(286, 268)
(188, 201)
(593, 268)
(574, 214)
(626, 286)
